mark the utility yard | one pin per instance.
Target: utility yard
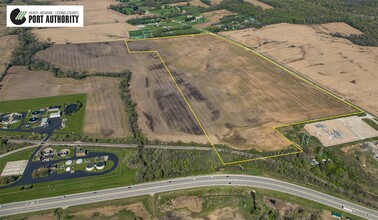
(236, 95)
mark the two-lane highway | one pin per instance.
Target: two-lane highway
(180, 184)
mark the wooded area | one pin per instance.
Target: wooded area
(361, 15)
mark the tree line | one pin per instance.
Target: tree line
(359, 14)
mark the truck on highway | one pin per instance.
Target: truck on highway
(347, 209)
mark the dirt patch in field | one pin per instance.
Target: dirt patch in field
(327, 215)
(192, 203)
(198, 3)
(258, 3)
(109, 211)
(180, 214)
(213, 17)
(100, 24)
(225, 214)
(215, 2)
(338, 27)
(139, 210)
(238, 99)
(347, 69)
(281, 206)
(105, 114)
(48, 216)
(179, 4)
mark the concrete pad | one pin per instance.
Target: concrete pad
(14, 168)
(341, 130)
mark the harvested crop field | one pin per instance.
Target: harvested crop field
(91, 57)
(100, 24)
(198, 3)
(258, 3)
(105, 115)
(238, 99)
(347, 69)
(213, 17)
(162, 112)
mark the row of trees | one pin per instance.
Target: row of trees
(130, 109)
(127, 9)
(5, 180)
(154, 164)
(181, 30)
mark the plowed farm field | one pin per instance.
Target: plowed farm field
(236, 95)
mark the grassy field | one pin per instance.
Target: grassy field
(372, 123)
(203, 203)
(121, 176)
(74, 123)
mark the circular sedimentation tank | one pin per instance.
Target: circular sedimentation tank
(33, 120)
(100, 165)
(36, 113)
(47, 151)
(90, 166)
(63, 152)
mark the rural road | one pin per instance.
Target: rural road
(181, 184)
(164, 147)
(17, 150)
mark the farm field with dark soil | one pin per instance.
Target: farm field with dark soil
(237, 96)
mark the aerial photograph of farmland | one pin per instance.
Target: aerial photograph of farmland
(189, 109)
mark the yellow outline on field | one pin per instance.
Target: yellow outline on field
(275, 128)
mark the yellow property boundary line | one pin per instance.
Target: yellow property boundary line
(275, 128)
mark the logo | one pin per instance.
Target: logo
(18, 17)
(45, 16)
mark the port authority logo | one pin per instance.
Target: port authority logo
(45, 16)
(18, 17)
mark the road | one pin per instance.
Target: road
(181, 184)
(164, 147)
(17, 150)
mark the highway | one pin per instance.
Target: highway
(181, 184)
